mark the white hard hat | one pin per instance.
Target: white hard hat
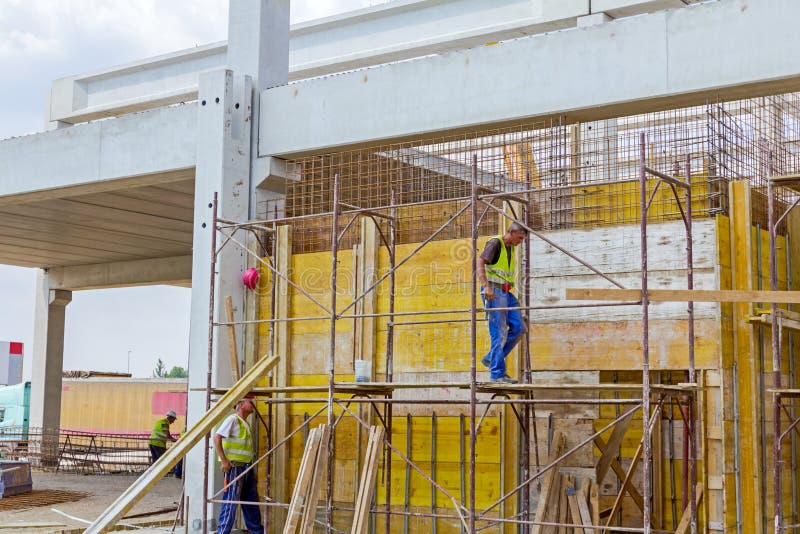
(171, 414)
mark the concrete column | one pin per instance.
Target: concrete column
(227, 163)
(48, 362)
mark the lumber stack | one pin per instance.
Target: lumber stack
(563, 502)
(367, 484)
(307, 487)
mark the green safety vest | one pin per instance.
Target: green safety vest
(160, 433)
(239, 448)
(501, 271)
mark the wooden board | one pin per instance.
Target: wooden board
(685, 295)
(193, 435)
(550, 483)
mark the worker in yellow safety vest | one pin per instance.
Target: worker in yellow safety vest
(235, 447)
(496, 273)
(160, 435)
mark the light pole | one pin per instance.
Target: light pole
(129, 361)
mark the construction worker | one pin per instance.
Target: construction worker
(496, 275)
(160, 435)
(233, 442)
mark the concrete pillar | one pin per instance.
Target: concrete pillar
(48, 363)
(227, 163)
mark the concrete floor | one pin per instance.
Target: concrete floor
(102, 492)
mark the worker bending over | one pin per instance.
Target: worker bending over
(233, 442)
(496, 273)
(160, 435)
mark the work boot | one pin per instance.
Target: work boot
(486, 361)
(503, 380)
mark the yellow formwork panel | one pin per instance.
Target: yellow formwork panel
(129, 405)
(618, 203)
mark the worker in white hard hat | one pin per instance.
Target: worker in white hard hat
(160, 435)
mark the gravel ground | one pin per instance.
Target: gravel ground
(102, 489)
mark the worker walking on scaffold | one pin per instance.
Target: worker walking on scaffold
(496, 274)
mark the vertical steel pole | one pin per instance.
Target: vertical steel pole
(646, 445)
(390, 358)
(210, 363)
(777, 495)
(692, 371)
(526, 377)
(473, 342)
(332, 349)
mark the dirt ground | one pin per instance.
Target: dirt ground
(102, 490)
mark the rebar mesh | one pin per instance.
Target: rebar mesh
(72, 451)
(580, 175)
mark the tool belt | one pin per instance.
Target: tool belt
(504, 286)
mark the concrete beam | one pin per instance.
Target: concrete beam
(176, 270)
(626, 66)
(147, 148)
(393, 31)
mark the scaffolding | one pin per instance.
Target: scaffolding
(666, 166)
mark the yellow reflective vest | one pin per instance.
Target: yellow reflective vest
(501, 271)
(239, 448)
(160, 433)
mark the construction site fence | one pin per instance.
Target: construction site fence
(73, 451)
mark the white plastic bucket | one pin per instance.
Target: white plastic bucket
(363, 370)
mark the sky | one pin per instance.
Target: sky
(124, 329)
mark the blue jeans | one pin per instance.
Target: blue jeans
(505, 329)
(243, 489)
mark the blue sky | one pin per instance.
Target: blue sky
(42, 40)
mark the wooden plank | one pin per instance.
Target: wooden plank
(304, 475)
(233, 353)
(583, 506)
(610, 450)
(551, 479)
(156, 472)
(685, 295)
(367, 483)
(594, 503)
(626, 483)
(574, 509)
(683, 526)
(745, 356)
(563, 508)
(281, 348)
(320, 465)
(617, 468)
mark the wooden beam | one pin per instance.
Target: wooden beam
(156, 472)
(366, 485)
(550, 481)
(609, 450)
(233, 353)
(304, 474)
(745, 359)
(574, 507)
(583, 507)
(617, 468)
(626, 483)
(320, 464)
(685, 295)
(281, 348)
(594, 503)
(683, 526)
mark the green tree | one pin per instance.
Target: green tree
(177, 372)
(160, 371)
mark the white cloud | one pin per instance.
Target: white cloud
(42, 40)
